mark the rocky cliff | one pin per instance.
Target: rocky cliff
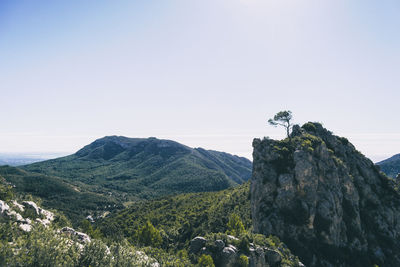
(325, 200)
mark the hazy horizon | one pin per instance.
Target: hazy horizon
(367, 140)
(204, 73)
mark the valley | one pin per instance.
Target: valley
(170, 202)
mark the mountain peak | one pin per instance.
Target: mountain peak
(110, 146)
(132, 168)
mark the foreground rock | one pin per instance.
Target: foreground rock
(81, 237)
(325, 200)
(196, 244)
(228, 255)
(25, 214)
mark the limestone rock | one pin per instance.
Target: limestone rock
(46, 216)
(196, 244)
(31, 205)
(228, 256)
(25, 227)
(82, 237)
(219, 244)
(327, 202)
(19, 206)
(3, 207)
(231, 237)
(12, 214)
(146, 260)
(257, 258)
(90, 218)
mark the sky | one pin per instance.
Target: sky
(206, 73)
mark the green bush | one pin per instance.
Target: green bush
(205, 261)
(235, 225)
(148, 235)
(6, 193)
(309, 127)
(243, 261)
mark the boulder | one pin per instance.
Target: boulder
(12, 214)
(257, 257)
(81, 237)
(231, 237)
(142, 257)
(196, 244)
(3, 207)
(219, 244)
(90, 218)
(25, 227)
(48, 215)
(229, 256)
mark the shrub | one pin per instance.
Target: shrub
(309, 127)
(243, 261)
(235, 225)
(148, 235)
(205, 261)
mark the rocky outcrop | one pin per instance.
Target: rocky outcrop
(45, 217)
(3, 207)
(325, 200)
(29, 210)
(263, 256)
(227, 255)
(81, 237)
(196, 244)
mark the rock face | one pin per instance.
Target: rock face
(325, 200)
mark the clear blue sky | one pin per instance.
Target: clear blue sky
(206, 73)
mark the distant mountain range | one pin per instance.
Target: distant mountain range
(17, 160)
(391, 166)
(117, 170)
(146, 168)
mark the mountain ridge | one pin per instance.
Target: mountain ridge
(124, 170)
(390, 166)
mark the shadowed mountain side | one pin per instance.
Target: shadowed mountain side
(58, 194)
(391, 166)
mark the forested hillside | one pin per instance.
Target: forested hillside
(391, 166)
(134, 168)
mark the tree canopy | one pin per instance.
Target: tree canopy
(283, 118)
